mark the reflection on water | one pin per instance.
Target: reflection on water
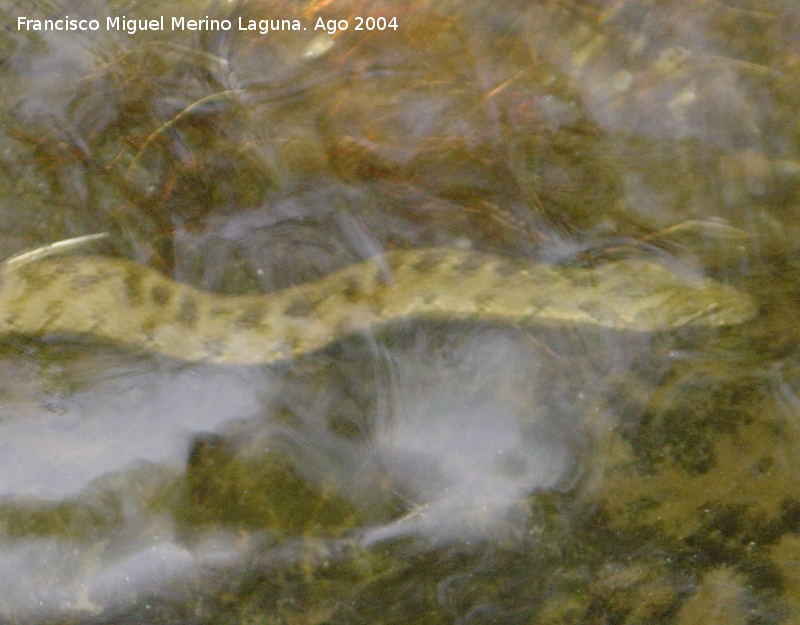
(447, 472)
(443, 439)
(142, 413)
(462, 441)
(85, 475)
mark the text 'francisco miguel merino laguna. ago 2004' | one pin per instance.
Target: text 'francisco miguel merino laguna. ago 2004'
(263, 26)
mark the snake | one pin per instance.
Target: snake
(117, 301)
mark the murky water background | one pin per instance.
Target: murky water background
(438, 473)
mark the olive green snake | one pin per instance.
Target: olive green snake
(115, 300)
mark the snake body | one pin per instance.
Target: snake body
(115, 300)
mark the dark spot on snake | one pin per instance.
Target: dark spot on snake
(134, 287)
(298, 308)
(582, 279)
(353, 289)
(54, 310)
(428, 262)
(318, 301)
(344, 328)
(505, 270)
(63, 266)
(213, 347)
(251, 317)
(187, 314)
(484, 298)
(221, 310)
(149, 330)
(84, 282)
(381, 270)
(160, 294)
(591, 308)
(39, 279)
(394, 261)
(469, 265)
(296, 346)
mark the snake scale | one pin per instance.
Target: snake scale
(115, 300)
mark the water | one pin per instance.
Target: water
(438, 473)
